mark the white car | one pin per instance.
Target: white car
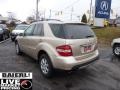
(18, 30)
(116, 47)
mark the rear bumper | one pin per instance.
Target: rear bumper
(86, 64)
(69, 63)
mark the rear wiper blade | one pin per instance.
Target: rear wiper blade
(89, 36)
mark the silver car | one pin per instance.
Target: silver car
(58, 45)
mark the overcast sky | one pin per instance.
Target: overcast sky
(25, 8)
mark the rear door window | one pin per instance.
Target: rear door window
(38, 31)
(58, 30)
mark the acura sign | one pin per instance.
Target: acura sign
(104, 5)
(102, 9)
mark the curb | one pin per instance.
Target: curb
(4, 40)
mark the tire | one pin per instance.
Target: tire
(116, 50)
(3, 37)
(12, 39)
(45, 65)
(17, 48)
(8, 36)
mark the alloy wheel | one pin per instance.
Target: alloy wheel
(44, 66)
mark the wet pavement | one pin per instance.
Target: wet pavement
(102, 75)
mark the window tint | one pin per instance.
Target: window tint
(58, 30)
(38, 31)
(71, 31)
(29, 30)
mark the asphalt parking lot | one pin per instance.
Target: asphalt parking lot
(102, 75)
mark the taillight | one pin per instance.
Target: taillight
(64, 50)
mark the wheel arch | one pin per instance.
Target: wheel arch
(41, 52)
(116, 44)
(44, 52)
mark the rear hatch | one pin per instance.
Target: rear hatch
(79, 36)
(82, 46)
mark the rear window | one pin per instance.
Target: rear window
(71, 31)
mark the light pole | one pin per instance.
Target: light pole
(78, 18)
(90, 11)
(50, 14)
(71, 14)
(37, 1)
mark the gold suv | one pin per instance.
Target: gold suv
(58, 45)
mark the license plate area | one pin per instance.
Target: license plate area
(86, 49)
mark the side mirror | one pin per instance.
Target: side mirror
(21, 34)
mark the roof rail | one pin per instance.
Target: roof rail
(47, 20)
(52, 20)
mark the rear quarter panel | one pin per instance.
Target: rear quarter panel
(49, 45)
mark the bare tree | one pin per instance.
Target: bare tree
(30, 19)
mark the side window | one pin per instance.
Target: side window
(38, 31)
(58, 30)
(29, 30)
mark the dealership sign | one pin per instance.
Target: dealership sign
(102, 8)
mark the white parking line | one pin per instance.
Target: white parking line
(4, 40)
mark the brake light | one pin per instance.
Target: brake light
(64, 50)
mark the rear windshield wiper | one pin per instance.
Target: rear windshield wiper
(89, 36)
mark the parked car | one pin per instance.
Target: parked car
(112, 22)
(4, 32)
(118, 21)
(58, 45)
(18, 30)
(116, 47)
(3, 26)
